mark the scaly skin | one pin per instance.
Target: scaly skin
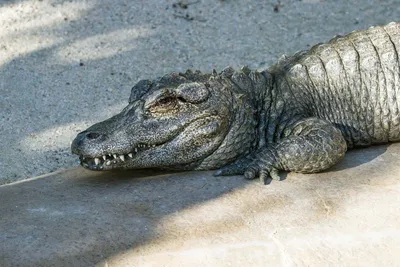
(300, 115)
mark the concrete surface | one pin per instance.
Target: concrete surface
(348, 216)
(67, 64)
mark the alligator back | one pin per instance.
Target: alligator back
(352, 81)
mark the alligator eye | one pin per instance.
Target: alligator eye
(166, 104)
(166, 100)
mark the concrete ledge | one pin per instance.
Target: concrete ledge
(348, 216)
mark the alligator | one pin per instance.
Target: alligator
(301, 114)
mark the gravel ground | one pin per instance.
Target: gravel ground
(67, 64)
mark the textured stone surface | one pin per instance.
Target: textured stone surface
(347, 216)
(67, 64)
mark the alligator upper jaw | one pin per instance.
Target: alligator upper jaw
(109, 161)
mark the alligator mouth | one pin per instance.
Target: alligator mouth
(111, 160)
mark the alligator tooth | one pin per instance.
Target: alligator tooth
(108, 163)
(96, 161)
(115, 156)
(122, 157)
(109, 155)
(104, 157)
(135, 149)
(130, 155)
(154, 145)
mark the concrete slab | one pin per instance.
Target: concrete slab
(348, 216)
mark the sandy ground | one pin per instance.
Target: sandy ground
(67, 64)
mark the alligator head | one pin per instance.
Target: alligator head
(180, 121)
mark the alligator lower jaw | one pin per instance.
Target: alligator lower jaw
(111, 160)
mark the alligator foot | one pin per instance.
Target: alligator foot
(251, 169)
(263, 172)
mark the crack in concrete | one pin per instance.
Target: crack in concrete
(326, 206)
(286, 259)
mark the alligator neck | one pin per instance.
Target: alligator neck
(239, 140)
(248, 128)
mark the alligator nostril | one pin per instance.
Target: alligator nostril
(92, 135)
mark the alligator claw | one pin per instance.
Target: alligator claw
(250, 171)
(263, 177)
(250, 174)
(274, 174)
(265, 174)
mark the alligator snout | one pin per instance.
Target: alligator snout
(84, 140)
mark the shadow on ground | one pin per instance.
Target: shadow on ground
(80, 217)
(363, 156)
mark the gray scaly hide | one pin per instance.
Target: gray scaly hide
(301, 114)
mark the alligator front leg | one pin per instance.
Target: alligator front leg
(310, 145)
